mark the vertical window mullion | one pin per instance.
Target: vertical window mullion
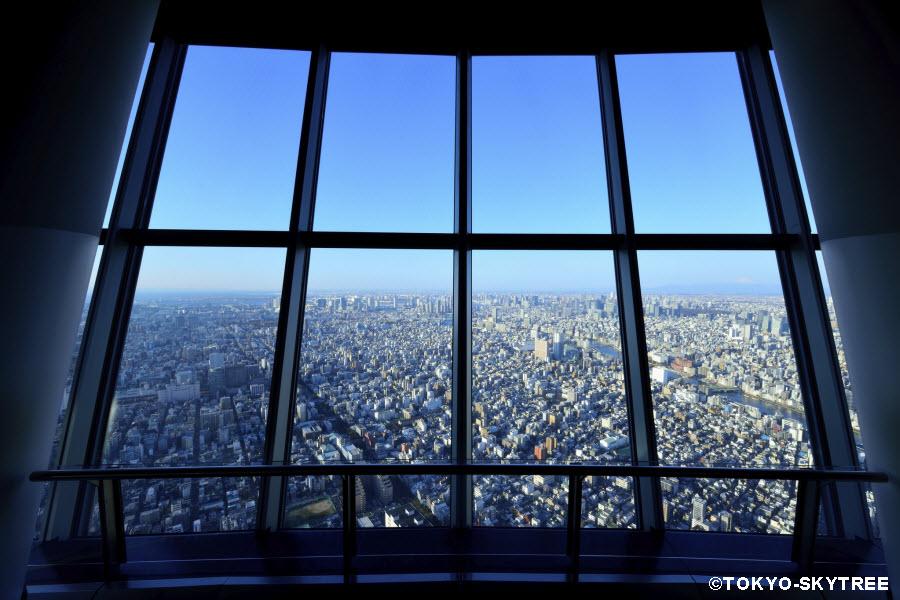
(642, 428)
(461, 489)
(293, 295)
(823, 394)
(105, 329)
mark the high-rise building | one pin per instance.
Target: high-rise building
(360, 495)
(559, 345)
(725, 521)
(384, 489)
(698, 511)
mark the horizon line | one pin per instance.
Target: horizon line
(605, 292)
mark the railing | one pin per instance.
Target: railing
(112, 530)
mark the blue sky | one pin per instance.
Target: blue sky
(387, 165)
(691, 159)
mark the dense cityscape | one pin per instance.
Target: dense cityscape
(375, 385)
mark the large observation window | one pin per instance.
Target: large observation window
(424, 312)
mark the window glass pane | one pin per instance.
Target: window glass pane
(722, 366)
(231, 154)
(381, 501)
(608, 502)
(417, 501)
(375, 369)
(793, 138)
(403, 501)
(314, 502)
(203, 505)
(520, 501)
(66, 397)
(729, 505)
(547, 379)
(388, 145)
(537, 146)
(194, 381)
(722, 369)
(848, 391)
(691, 160)
(127, 139)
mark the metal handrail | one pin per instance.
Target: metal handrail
(109, 480)
(109, 473)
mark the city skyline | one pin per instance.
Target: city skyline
(262, 270)
(658, 286)
(205, 363)
(547, 387)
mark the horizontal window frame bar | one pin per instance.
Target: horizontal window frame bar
(458, 241)
(211, 237)
(474, 468)
(453, 50)
(264, 239)
(701, 26)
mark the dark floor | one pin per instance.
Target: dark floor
(227, 588)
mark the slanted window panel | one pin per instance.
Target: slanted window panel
(124, 150)
(793, 139)
(547, 378)
(520, 501)
(387, 147)
(231, 154)
(537, 146)
(194, 381)
(66, 397)
(376, 360)
(608, 503)
(691, 160)
(722, 369)
(848, 391)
